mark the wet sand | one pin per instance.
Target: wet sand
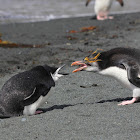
(82, 106)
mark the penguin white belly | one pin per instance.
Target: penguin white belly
(119, 74)
(31, 109)
(102, 5)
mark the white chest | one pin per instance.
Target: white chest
(102, 5)
(119, 74)
(31, 109)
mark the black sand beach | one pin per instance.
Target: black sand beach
(82, 106)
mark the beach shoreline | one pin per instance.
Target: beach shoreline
(76, 109)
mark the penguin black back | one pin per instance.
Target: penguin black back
(115, 56)
(24, 89)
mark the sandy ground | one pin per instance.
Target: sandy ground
(82, 106)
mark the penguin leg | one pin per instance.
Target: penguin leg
(108, 17)
(100, 17)
(103, 16)
(134, 99)
(38, 112)
(33, 102)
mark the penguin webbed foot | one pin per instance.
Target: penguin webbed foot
(100, 17)
(39, 112)
(110, 17)
(134, 99)
(104, 17)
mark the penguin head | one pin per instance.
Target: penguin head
(55, 72)
(89, 63)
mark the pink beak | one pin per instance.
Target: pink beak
(81, 63)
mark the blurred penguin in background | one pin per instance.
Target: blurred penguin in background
(102, 8)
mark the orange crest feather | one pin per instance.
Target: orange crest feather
(94, 59)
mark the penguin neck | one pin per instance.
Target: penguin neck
(56, 76)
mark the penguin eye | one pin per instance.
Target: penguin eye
(89, 56)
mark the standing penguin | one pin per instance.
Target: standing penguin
(102, 8)
(26, 91)
(121, 63)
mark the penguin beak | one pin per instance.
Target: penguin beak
(121, 2)
(87, 62)
(62, 73)
(77, 63)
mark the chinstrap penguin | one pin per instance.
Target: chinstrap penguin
(102, 8)
(121, 63)
(25, 92)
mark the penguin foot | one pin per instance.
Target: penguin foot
(100, 17)
(128, 101)
(104, 17)
(110, 17)
(38, 112)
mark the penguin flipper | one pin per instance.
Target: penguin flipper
(38, 91)
(121, 2)
(87, 2)
(132, 72)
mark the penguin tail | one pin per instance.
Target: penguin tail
(2, 113)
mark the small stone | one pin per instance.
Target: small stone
(23, 119)
(68, 44)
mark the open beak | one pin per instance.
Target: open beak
(62, 73)
(87, 61)
(77, 63)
